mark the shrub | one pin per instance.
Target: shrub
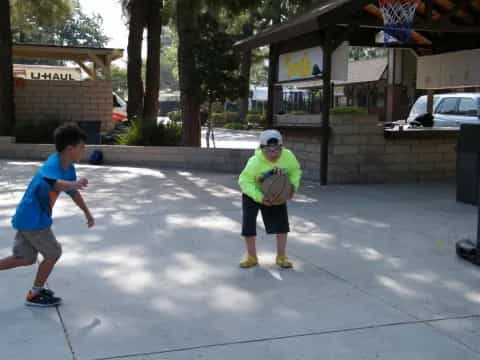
(256, 120)
(220, 119)
(132, 136)
(348, 110)
(175, 116)
(235, 126)
(36, 131)
(151, 135)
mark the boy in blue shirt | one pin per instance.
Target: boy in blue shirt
(33, 217)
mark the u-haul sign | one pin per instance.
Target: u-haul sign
(40, 72)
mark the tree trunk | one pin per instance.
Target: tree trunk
(7, 112)
(137, 11)
(154, 26)
(188, 36)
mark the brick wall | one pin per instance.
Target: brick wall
(65, 101)
(359, 152)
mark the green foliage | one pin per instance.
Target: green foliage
(151, 135)
(348, 110)
(217, 62)
(175, 116)
(235, 126)
(57, 22)
(119, 81)
(133, 135)
(35, 131)
(363, 53)
(220, 119)
(256, 120)
(30, 14)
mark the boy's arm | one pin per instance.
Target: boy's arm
(248, 183)
(67, 186)
(78, 200)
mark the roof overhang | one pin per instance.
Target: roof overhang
(52, 52)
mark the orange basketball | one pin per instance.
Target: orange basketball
(277, 188)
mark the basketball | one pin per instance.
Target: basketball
(277, 188)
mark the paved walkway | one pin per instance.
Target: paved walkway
(375, 274)
(232, 139)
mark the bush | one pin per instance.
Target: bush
(220, 119)
(235, 126)
(175, 116)
(36, 131)
(132, 136)
(348, 110)
(256, 120)
(151, 135)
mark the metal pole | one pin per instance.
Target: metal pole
(326, 104)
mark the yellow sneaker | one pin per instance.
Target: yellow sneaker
(249, 262)
(283, 262)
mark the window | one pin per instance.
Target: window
(467, 107)
(420, 107)
(447, 106)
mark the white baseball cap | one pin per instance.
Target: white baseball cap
(269, 135)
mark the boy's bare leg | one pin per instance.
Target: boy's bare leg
(44, 270)
(250, 244)
(12, 262)
(281, 244)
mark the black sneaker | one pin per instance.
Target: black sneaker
(43, 298)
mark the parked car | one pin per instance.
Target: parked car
(449, 110)
(119, 109)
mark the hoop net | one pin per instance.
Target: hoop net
(398, 16)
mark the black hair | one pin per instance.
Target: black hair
(68, 134)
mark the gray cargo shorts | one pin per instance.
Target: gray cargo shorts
(29, 243)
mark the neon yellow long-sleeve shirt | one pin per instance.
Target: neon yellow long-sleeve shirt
(258, 165)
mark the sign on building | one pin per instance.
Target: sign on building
(42, 72)
(308, 64)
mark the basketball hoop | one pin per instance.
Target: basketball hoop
(398, 16)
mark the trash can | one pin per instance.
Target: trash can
(468, 164)
(92, 128)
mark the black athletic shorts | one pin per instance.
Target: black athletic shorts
(275, 218)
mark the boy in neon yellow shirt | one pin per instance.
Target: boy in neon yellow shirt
(271, 156)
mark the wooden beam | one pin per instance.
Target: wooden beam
(85, 68)
(97, 60)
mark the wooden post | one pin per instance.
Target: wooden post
(272, 79)
(430, 101)
(326, 104)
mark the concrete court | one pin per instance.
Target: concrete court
(375, 274)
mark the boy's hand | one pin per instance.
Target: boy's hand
(292, 194)
(81, 184)
(90, 221)
(267, 202)
(278, 171)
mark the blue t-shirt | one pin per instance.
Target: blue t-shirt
(35, 210)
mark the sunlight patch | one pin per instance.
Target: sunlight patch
(396, 286)
(233, 299)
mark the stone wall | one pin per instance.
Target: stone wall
(64, 101)
(359, 152)
(218, 160)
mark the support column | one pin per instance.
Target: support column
(272, 79)
(326, 104)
